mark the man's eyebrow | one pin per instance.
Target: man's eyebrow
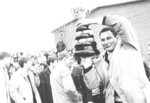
(109, 37)
(102, 39)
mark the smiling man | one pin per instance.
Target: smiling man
(108, 39)
(120, 67)
(127, 79)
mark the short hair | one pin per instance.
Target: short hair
(22, 61)
(108, 28)
(51, 59)
(4, 55)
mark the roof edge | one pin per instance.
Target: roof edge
(93, 10)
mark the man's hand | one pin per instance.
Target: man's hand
(91, 21)
(75, 96)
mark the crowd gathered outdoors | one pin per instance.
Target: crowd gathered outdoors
(118, 74)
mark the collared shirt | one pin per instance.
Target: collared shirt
(108, 57)
(20, 88)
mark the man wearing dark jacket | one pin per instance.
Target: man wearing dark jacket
(45, 87)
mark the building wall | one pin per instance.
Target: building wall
(137, 12)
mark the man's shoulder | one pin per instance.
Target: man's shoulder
(16, 78)
(17, 74)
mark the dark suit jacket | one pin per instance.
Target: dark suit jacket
(147, 70)
(80, 85)
(45, 87)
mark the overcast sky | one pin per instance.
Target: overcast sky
(25, 25)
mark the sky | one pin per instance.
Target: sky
(26, 25)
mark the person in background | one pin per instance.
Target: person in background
(70, 52)
(11, 70)
(22, 84)
(63, 88)
(5, 60)
(45, 86)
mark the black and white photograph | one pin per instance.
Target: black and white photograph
(75, 51)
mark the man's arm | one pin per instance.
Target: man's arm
(123, 28)
(96, 21)
(68, 84)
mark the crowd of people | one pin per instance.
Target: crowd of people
(118, 74)
(24, 75)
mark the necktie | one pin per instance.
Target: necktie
(106, 57)
(34, 99)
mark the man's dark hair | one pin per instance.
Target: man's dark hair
(107, 28)
(4, 55)
(22, 61)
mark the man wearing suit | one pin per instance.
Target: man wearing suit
(22, 84)
(121, 67)
(63, 88)
(45, 86)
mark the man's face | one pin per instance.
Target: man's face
(108, 41)
(12, 70)
(69, 61)
(27, 66)
(7, 60)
